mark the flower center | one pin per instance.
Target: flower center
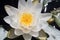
(26, 18)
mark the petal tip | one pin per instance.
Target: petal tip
(6, 6)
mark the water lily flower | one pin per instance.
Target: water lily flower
(27, 19)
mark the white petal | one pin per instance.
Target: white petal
(18, 32)
(21, 4)
(44, 24)
(45, 16)
(29, 3)
(50, 38)
(34, 34)
(11, 10)
(47, 29)
(3, 33)
(45, 7)
(36, 28)
(55, 32)
(27, 37)
(12, 20)
(47, 1)
(37, 7)
(25, 30)
(46, 4)
(41, 1)
(7, 19)
(52, 31)
(57, 37)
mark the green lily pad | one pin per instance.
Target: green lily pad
(57, 21)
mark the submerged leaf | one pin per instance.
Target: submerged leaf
(11, 34)
(42, 35)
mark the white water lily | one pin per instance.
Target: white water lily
(27, 19)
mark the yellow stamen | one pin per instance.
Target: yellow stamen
(26, 18)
